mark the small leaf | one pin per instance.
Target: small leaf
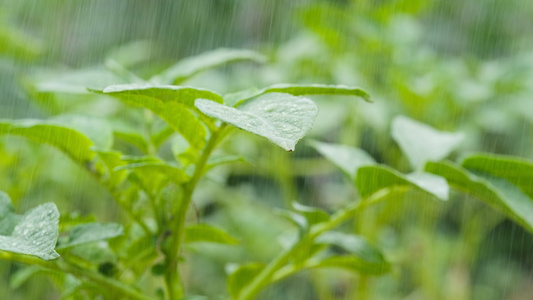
(296, 90)
(35, 232)
(8, 218)
(112, 160)
(496, 192)
(169, 171)
(214, 160)
(91, 232)
(359, 255)
(281, 118)
(422, 143)
(191, 66)
(313, 215)
(518, 171)
(208, 233)
(22, 275)
(70, 141)
(296, 219)
(371, 179)
(172, 103)
(239, 279)
(348, 159)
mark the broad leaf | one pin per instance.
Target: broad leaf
(172, 103)
(91, 232)
(371, 179)
(241, 277)
(238, 98)
(517, 171)
(208, 233)
(34, 233)
(70, 141)
(281, 118)
(497, 192)
(357, 254)
(191, 66)
(422, 143)
(348, 159)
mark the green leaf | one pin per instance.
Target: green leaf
(17, 44)
(70, 141)
(97, 130)
(281, 118)
(111, 160)
(148, 169)
(358, 256)
(217, 160)
(297, 219)
(77, 81)
(35, 233)
(243, 276)
(208, 233)
(191, 66)
(517, 171)
(22, 275)
(238, 98)
(371, 179)
(496, 192)
(348, 159)
(422, 143)
(172, 103)
(313, 215)
(91, 232)
(8, 218)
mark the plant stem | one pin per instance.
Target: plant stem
(265, 277)
(119, 289)
(172, 276)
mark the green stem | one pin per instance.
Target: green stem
(172, 276)
(267, 274)
(118, 289)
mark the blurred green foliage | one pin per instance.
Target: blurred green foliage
(461, 66)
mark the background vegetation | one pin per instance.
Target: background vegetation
(456, 65)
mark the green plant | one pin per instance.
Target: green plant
(146, 182)
(137, 260)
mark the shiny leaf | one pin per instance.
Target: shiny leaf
(281, 118)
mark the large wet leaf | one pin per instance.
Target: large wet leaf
(348, 159)
(281, 118)
(70, 141)
(172, 103)
(91, 232)
(191, 66)
(496, 192)
(422, 143)
(356, 254)
(208, 233)
(517, 171)
(34, 233)
(238, 98)
(371, 179)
